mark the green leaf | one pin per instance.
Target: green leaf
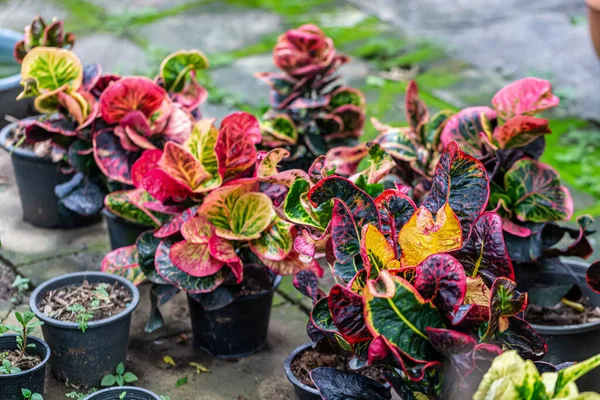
(120, 369)
(26, 393)
(536, 194)
(37, 396)
(130, 377)
(108, 380)
(176, 68)
(19, 317)
(51, 69)
(181, 381)
(574, 372)
(119, 380)
(394, 309)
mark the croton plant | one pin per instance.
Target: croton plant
(508, 138)
(216, 202)
(425, 290)
(98, 124)
(310, 111)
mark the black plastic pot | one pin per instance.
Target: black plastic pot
(10, 86)
(36, 178)
(131, 393)
(122, 232)
(33, 379)
(84, 358)
(571, 342)
(303, 392)
(237, 330)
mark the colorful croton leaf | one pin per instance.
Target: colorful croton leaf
(178, 75)
(39, 33)
(132, 205)
(203, 162)
(309, 113)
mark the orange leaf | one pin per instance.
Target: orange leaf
(423, 236)
(182, 166)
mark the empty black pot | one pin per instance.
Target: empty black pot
(122, 232)
(36, 179)
(33, 379)
(237, 330)
(131, 393)
(303, 392)
(572, 342)
(84, 358)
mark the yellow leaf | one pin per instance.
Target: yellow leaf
(477, 292)
(421, 236)
(169, 360)
(379, 251)
(199, 367)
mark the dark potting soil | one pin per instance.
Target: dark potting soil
(16, 138)
(562, 314)
(310, 359)
(26, 362)
(90, 301)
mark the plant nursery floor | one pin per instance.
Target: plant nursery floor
(460, 54)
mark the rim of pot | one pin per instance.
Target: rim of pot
(569, 329)
(19, 151)
(287, 366)
(9, 38)
(109, 214)
(120, 389)
(56, 283)
(41, 365)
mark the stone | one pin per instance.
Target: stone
(213, 28)
(117, 55)
(16, 14)
(119, 7)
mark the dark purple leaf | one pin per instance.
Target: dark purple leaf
(441, 279)
(338, 385)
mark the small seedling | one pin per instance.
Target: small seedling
(27, 325)
(27, 395)
(122, 395)
(80, 395)
(82, 313)
(82, 316)
(119, 377)
(6, 368)
(22, 285)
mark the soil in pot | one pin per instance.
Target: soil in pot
(567, 312)
(16, 139)
(85, 302)
(33, 367)
(310, 359)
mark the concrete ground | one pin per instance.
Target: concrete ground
(460, 52)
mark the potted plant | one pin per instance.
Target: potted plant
(23, 358)
(310, 111)
(86, 314)
(508, 138)
(429, 300)
(225, 242)
(93, 127)
(510, 377)
(123, 393)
